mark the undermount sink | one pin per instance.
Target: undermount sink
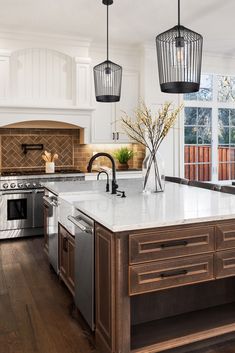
(84, 196)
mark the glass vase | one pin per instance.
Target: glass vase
(153, 173)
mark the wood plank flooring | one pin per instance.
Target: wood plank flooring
(35, 308)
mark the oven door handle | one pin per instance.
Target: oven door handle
(14, 192)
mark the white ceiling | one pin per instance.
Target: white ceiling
(131, 21)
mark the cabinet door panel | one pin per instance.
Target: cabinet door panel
(105, 297)
(128, 102)
(71, 263)
(46, 238)
(63, 253)
(103, 123)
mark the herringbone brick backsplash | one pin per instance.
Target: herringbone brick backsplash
(64, 142)
(61, 142)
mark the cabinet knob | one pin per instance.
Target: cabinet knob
(117, 135)
(113, 135)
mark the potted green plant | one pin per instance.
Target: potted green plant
(123, 155)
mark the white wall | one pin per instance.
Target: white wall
(155, 98)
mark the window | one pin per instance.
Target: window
(205, 93)
(209, 130)
(226, 146)
(197, 132)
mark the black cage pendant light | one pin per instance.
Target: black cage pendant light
(179, 54)
(108, 75)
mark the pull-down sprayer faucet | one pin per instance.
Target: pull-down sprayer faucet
(103, 154)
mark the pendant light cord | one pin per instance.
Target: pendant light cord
(178, 12)
(107, 31)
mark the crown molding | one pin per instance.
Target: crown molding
(65, 40)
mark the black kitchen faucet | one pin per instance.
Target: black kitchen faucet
(103, 154)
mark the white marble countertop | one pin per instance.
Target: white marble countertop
(178, 204)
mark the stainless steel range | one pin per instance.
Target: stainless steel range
(21, 203)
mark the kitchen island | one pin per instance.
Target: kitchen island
(164, 265)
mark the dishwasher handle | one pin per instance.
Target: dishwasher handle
(50, 202)
(85, 228)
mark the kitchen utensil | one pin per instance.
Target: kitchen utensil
(48, 155)
(44, 158)
(55, 157)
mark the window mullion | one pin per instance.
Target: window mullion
(214, 146)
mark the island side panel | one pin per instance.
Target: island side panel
(112, 300)
(123, 310)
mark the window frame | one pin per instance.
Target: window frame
(215, 105)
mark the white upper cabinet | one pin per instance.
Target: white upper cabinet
(106, 118)
(4, 75)
(103, 123)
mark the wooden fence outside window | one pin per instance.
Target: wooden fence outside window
(197, 162)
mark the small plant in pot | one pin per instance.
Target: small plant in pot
(123, 155)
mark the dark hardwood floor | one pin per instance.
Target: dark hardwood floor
(36, 309)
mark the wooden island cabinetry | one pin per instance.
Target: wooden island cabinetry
(66, 258)
(45, 223)
(164, 288)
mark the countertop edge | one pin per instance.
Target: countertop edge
(120, 229)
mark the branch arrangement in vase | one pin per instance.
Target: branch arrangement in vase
(150, 130)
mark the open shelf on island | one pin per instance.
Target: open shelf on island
(173, 332)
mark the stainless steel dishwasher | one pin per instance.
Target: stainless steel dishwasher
(84, 265)
(51, 204)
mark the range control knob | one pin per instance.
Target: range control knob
(20, 185)
(5, 186)
(13, 185)
(34, 185)
(27, 185)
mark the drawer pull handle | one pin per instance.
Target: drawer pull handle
(174, 273)
(173, 244)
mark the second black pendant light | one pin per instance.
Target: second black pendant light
(179, 53)
(108, 75)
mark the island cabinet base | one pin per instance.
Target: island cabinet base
(165, 334)
(164, 301)
(181, 316)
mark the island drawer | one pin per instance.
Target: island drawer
(160, 275)
(225, 236)
(165, 244)
(225, 264)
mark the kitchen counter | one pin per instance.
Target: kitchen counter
(179, 204)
